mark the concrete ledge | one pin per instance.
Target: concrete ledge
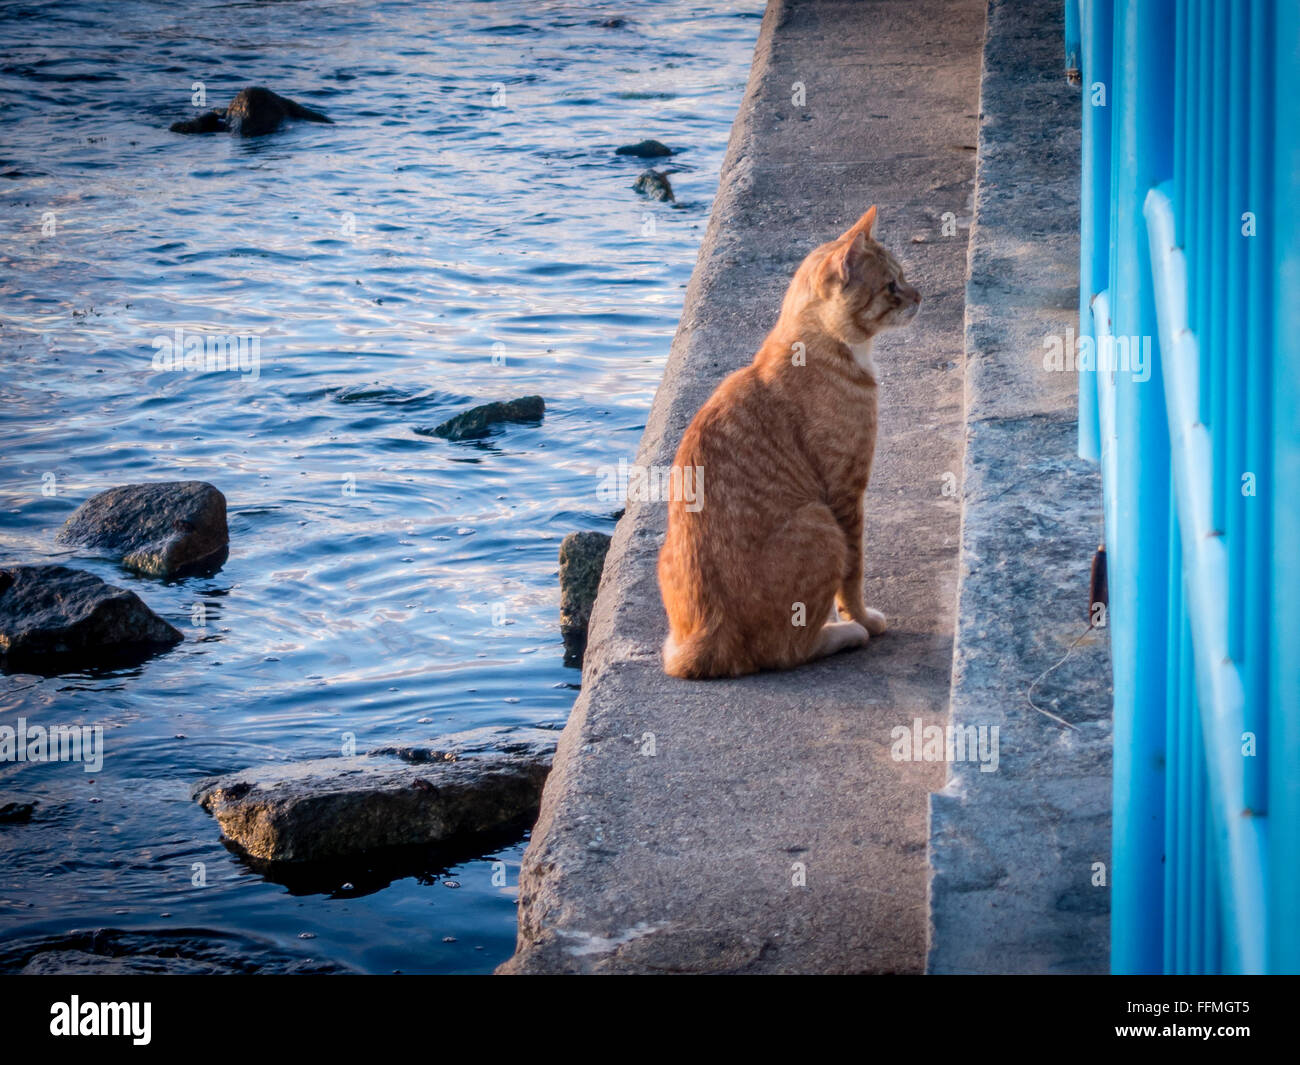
(761, 825)
(1013, 852)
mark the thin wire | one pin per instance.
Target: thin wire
(1029, 695)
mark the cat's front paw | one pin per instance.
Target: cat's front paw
(874, 621)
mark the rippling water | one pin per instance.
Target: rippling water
(463, 233)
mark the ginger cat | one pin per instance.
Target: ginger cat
(751, 576)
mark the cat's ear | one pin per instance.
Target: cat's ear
(863, 225)
(852, 249)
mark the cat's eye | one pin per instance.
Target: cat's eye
(893, 288)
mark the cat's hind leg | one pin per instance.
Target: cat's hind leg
(797, 575)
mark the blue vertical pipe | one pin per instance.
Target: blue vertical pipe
(1258, 341)
(1217, 281)
(1236, 401)
(1213, 930)
(1197, 816)
(1284, 688)
(1187, 102)
(1141, 157)
(1173, 938)
(1096, 19)
(1186, 864)
(1180, 114)
(1199, 251)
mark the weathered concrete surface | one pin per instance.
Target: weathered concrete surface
(328, 808)
(1013, 850)
(70, 616)
(162, 529)
(680, 815)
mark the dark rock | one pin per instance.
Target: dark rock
(208, 122)
(257, 111)
(644, 150)
(82, 963)
(479, 422)
(16, 813)
(331, 808)
(253, 112)
(582, 560)
(389, 396)
(54, 611)
(164, 529)
(184, 951)
(654, 184)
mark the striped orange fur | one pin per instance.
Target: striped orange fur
(752, 573)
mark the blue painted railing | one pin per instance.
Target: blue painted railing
(1189, 397)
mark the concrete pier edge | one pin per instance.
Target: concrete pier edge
(630, 868)
(1020, 857)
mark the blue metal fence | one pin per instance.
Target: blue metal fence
(1189, 397)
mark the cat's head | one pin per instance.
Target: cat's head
(856, 287)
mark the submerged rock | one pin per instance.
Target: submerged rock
(83, 963)
(478, 422)
(330, 808)
(582, 560)
(256, 111)
(648, 149)
(164, 529)
(17, 813)
(253, 112)
(208, 122)
(112, 951)
(58, 612)
(654, 184)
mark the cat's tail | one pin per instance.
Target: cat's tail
(699, 657)
(684, 658)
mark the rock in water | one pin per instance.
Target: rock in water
(654, 184)
(164, 951)
(49, 611)
(83, 963)
(256, 111)
(644, 150)
(253, 112)
(16, 813)
(330, 808)
(582, 560)
(208, 122)
(478, 422)
(164, 529)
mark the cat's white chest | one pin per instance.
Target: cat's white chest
(862, 356)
